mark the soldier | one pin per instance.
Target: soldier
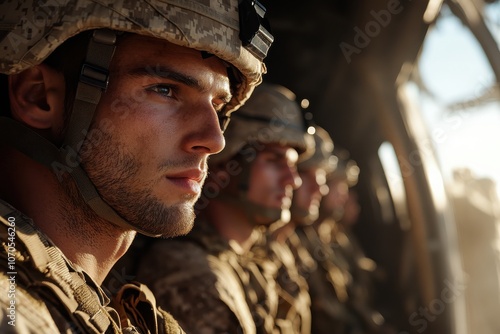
(340, 182)
(111, 109)
(313, 172)
(337, 208)
(326, 273)
(213, 269)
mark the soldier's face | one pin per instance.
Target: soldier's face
(154, 128)
(338, 194)
(273, 177)
(308, 196)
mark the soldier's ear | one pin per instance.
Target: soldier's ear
(37, 97)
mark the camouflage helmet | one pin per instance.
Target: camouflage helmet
(347, 169)
(323, 152)
(31, 30)
(271, 115)
(235, 31)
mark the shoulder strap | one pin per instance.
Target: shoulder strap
(50, 273)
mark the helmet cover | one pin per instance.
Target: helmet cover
(270, 116)
(31, 30)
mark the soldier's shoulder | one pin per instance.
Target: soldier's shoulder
(191, 285)
(23, 311)
(170, 265)
(172, 254)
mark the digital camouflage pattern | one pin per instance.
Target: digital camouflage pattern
(294, 312)
(31, 30)
(196, 279)
(44, 293)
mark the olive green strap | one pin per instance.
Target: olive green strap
(94, 79)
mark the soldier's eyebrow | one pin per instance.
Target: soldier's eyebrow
(166, 73)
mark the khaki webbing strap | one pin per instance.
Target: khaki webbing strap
(28, 236)
(71, 289)
(258, 282)
(87, 304)
(93, 81)
(71, 283)
(94, 200)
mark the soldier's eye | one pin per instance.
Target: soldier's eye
(164, 90)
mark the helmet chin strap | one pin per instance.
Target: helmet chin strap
(93, 81)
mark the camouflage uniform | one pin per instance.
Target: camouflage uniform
(362, 271)
(197, 279)
(338, 304)
(259, 280)
(294, 315)
(42, 292)
(328, 280)
(65, 299)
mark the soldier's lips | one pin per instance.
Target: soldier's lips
(190, 181)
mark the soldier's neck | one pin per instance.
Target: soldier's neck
(231, 222)
(87, 241)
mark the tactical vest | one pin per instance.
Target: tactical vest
(76, 304)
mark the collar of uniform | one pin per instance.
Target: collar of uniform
(6, 210)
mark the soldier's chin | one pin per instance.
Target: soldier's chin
(169, 222)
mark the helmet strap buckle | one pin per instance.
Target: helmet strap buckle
(95, 76)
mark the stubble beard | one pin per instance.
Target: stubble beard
(113, 173)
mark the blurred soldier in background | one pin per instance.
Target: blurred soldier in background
(106, 133)
(326, 272)
(215, 279)
(339, 211)
(293, 314)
